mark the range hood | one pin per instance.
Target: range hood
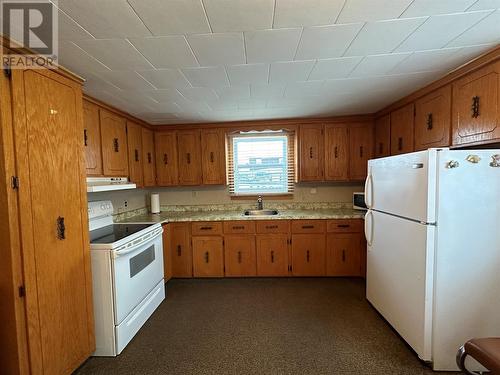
(95, 184)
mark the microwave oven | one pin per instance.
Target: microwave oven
(358, 201)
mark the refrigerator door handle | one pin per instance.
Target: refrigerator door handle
(369, 191)
(369, 228)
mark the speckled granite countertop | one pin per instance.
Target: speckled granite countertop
(220, 215)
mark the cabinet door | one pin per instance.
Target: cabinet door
(114, 144)
(336, 152)
(361, 150)
(148, 158)
(182, 256)
(311, 155)
(239, 255)
(134, 141)
(272, 255)
(433, 119)
(402, 130)
(308, 254)
(166, 158)
(476, 106)
(189, 149)
(343, 254)
(213, 157)
(383, 136)
(208, 259)
(167, 252)
(92, 139)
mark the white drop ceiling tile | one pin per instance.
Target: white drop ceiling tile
(304, 89)
(271, 45)
(334, 68)
(382, 36)
(166, 51)
(290, 71)
(248, 73)
(172, 17)
(223, 105)
(434, 60)
(239, 15)
(432, 7)
(95, 83)
(378, 64)
(114, 53)
(164, 95)
(207, 76)
(69, 29)
(136, 97)
(166, 107)
(197, 94)
(362, 10)
(77, 60)
(218, 49)
(233, 93)
(297, 13)
(267, 91)
(105, 19)
(466, 54)
(126, 80)
(164, 78)
(438, 31)
(252, 104)
(324, 42)
(485, 31)
(485, 4)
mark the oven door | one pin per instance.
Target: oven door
(135, 273)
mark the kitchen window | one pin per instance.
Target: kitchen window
(261, 163)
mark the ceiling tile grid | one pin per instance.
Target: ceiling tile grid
(180, 61)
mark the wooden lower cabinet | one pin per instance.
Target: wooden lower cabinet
(272, 255)
(167, 252)
(308, 254)
(182, 255)
(208, 257)
(343, 254)
(239, 255)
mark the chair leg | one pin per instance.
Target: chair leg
(461, 355)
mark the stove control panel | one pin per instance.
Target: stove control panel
(100, 209)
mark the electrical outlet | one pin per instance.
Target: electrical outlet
(194, 194)
(313, 190)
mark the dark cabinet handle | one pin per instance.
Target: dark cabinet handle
(400, 143)
(165, 159)
(475, 107)
(211, 157)
(149, 157)
(116, 145)
(205, 228)
(85, 137)
(61, 228)
(179, 250)
(380, 148)
(207, 259)
(307, 256)
(271, 226)
(343, 255)
(239, 227)
(136, 152)
(307, 226)
(188, 158)
(430, 125)
(239, 256)
(310, 152)
(343, 226)
(336, 152)
(272, 256)
(360, 151)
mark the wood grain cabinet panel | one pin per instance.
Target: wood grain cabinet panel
(273, 226)
(92, 139)
(345, 225)
(148, 158)
(361, 150)
(272, 255)
(208, 258)
(336, 152)
(343, 256)
(166, 158)
(114, 144)
(311, 154)
(189, 151)
(402, 130)
(308, 226)
(167, 252)
(213, 156)
(235, 227)
(308, 254)
(239, 255)
(433, 119)
(182, 255)
(382, 136)
(134, 141)
(206, 228)
(476, 106)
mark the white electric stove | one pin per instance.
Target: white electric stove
(127, 274)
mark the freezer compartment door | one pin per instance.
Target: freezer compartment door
(400, 258)
(403, 185)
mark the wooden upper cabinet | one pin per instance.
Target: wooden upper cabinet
(336, 152)
(166, 158)
(311, 155)
(433, 119)
(476, 106)
(213, 156)
(383, 136)
(92, 139)
(361, 150)
(189, 150)
(148, 157)
(134, 141)
(402, 130)
(114, 144)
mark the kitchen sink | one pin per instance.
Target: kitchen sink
(260, 212)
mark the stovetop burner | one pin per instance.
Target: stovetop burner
(115, 232)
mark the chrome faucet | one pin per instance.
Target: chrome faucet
(260, 205)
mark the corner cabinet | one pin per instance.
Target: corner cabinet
(134, 141)
(402, 130)
(114, 144)
(361, 150)
(92, 139)
(382, 136)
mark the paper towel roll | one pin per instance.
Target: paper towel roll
(155, 203)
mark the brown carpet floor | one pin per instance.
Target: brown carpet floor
(263, 326)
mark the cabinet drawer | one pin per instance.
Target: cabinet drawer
(344, 226)
(206, 228)
(308, 226)
(273, 226)
(231, 227)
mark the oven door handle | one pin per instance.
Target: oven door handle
(136, 246)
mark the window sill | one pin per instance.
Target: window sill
(253, 197)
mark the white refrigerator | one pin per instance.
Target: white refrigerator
(433, 248)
